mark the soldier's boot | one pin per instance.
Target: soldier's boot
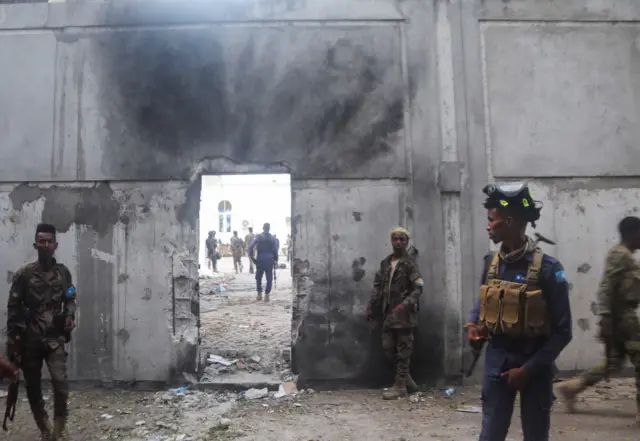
(412, 386)
(569, 390)
(60, 429)
(259, 296)
(266, 297)
(399, 389)
(45, 427)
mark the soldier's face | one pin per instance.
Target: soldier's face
(399, 241)
(497, 225)
(45, 244)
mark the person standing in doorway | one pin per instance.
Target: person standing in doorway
(40, 317)
(289, 248)
(266, 259)
(237, 250)
(396, 300)
(524, 313)
(618, 298)
(247, 241)
(212, 251)
(275, 238)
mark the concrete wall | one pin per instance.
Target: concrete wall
(557, 87)
(383, 112)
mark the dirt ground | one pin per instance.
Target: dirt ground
(606, 412)
(237, 327)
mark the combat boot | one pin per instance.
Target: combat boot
(266, 297)
(399, 390)
(412, 386)
(59, 429)
(259, 296)
(569, 390)
(45, 428)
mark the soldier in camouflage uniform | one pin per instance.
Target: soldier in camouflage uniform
(40, 318)
(247, 241)
(396, 298)
(237, 250)
(618, 298)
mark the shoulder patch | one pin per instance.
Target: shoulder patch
(70, 292)
(419, 281)
(561, 276)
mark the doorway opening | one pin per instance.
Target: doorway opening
(244, 339)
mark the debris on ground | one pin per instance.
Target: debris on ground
(449, 392)
(216, 359)
(255, 394)
(285, 389)
(469, 409)
(244, 338)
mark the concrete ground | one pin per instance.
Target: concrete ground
(607, 413)
(254, 335)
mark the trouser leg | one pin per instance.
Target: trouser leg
(535, 407)
(497, 408)
(32, 358)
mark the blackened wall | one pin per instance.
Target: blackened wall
(112, 111)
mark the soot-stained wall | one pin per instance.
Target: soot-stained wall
(126, 106)
(325, 101)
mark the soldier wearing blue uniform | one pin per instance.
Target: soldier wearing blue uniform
(266, 259)
(524, 313)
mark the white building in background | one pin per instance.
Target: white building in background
(236, 202)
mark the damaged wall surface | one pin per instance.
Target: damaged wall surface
(384, 112)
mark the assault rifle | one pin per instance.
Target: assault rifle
(275, 275)
(12, 396)
(476, 350)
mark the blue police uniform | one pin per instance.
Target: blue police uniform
(267, 255)
(536, 355)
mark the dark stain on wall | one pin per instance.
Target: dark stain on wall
(356, 269)
(584, 268)
(305, 96)
(583, 324)
(64, 206)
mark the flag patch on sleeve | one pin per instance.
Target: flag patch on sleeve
(561, 276)
(420, 282)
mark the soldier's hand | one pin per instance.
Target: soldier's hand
(606, 328)
(367, 314)
(516, 378)
(69, 324)
(475, 333)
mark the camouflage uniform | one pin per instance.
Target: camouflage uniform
(392, 288)
(620, 288)
(247, 241)
(237, 249)
(212, 252)
(38, 301)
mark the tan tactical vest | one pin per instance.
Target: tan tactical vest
(515, 309)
